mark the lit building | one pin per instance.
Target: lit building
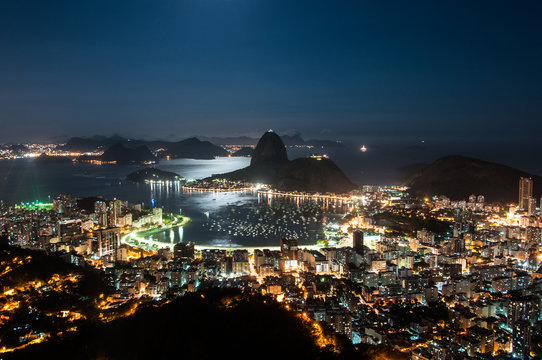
(114, 211)
(532, 206)
(521, 339)
(107, 241)
(425, 237)
(288, 248)
(183, 251)
(240, 264)
(525, 193)
(69, 229)
(100, 209)
(315, 262)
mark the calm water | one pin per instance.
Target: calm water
(237, 219)
(24, 180)
(220, 219)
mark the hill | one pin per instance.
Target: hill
(37, 287)
(152, 174)
(270, 165)
(80, 144)
(191, 148)
(46, 159)
(244, 151)
(458, 177)
(123, 155)
(312, 175)
(210, 325)
(269, 150)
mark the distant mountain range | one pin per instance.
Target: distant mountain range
(120, 154)
(270, 165)
(458, 177)
(191, 148)
(288, 140)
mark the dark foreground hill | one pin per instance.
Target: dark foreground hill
(270, 165)
(211, 325)
(458, 177)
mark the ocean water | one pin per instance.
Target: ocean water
(24, 180)
(217, 219)
(225, 219)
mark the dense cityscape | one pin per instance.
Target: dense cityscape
(271, 179)
(426, 278)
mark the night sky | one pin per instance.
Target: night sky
(329, 69)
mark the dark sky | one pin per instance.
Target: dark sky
(329, 69)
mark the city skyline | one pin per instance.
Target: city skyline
(270, 179)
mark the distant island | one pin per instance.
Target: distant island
(152, 174)
(459, 176)
(270, 165)
(121, 154)
(244, 151)
(47, 159)
(191, 148)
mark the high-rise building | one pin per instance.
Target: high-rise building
(69, 229)
(521, 339)
(532, 206)
(106, 242)
(288, 248)
(240, 265)
(114, 210)
(100, 209)
(425, 236)
(525, 193)
(357, 241)
(458, 245)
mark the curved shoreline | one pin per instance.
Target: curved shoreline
(152, 244)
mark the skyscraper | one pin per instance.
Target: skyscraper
(525, 193)
(100, 209)
(521, 339)
(532, 206)
(357, 241)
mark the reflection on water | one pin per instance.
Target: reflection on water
(170, 236)
(245, 219)
(269, 221)
(217, 219)
(24, 180)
